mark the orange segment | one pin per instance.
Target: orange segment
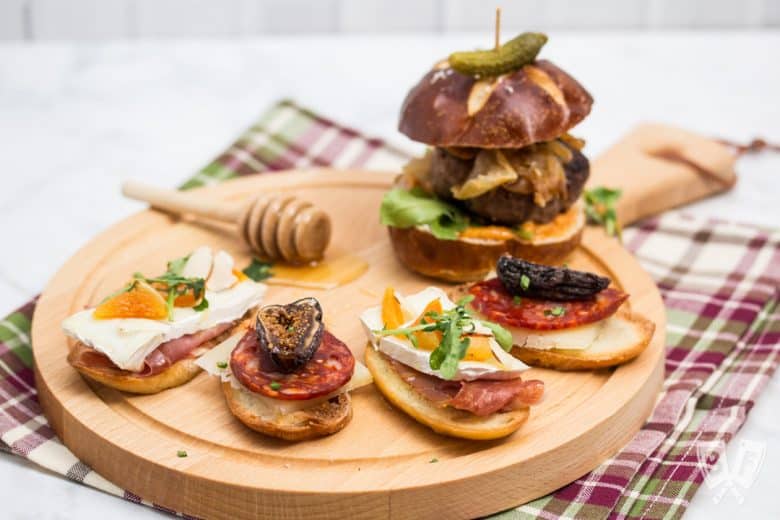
(479, 349)
(392, 314)
(428, 340)
(141, 301)
(187, 299)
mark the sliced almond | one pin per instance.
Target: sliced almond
(222, 276)
(199, 263)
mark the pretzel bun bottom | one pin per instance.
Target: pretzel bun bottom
(469, 260)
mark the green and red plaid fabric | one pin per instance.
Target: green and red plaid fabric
(719, 281)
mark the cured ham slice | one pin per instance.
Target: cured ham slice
(159, 359)
(480, 397)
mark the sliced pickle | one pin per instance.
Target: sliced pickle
(515, 53)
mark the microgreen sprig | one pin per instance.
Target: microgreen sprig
(174, 285)
(600, 209)
(455, 325)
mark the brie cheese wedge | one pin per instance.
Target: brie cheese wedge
(128, 341)
(502, 366)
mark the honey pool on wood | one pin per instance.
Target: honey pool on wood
(380, 464)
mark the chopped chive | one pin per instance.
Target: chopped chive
(524, 234)
(221, 364)
(555, 311)
(275, 385)
(517, 300)
(525, 282)
(433, 460)
(181, 454)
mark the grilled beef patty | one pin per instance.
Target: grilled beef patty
(501, 206)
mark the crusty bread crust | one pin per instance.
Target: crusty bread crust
(444, 420)
(469, 260)
(558, 359)
(538, 102)
(177, 374)
(584, 360)
(325, 418)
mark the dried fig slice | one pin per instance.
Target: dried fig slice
(523, 278)
(290, 333)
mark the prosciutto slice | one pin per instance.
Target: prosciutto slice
(480, 397)
(158, 360)
(177, 349)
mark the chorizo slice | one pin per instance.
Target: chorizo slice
(492, 300)
(329, 368)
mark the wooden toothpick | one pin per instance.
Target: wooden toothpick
(498, 27)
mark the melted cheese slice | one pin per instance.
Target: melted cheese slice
(609, 335)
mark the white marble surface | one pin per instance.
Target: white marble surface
(75, 119)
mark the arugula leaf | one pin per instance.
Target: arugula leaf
(258, 270)
(202, 306)
(408, 208)
(174, 285)
(454, 347)
(455, 325)
(465, 300)
(600, 209)
(127, 288)
(503, 336)
(176, 266)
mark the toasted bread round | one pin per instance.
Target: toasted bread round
(470, 259)
(538, 102)
(444, 420)
(626, 337)
(622, 343)
(324, 418)
(177, 374)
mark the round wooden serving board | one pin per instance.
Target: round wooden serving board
(383, 464)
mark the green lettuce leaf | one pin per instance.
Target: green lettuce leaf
(408, 208)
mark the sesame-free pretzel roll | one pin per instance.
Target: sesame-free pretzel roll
(538, 102)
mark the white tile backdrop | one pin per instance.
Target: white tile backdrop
(120, 19)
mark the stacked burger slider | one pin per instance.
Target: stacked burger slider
(502, 174)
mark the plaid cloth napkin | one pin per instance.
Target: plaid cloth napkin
(719, 281)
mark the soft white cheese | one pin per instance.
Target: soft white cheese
(127, 341)
(577, 338)
(504, 367)
(609, 335)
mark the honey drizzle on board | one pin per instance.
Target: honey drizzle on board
(324, 275)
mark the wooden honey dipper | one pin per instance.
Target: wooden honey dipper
(276, 227)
